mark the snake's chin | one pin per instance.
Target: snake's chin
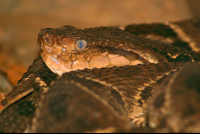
(53, 64)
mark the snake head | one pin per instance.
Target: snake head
(67, 48)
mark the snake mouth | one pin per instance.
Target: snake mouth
(61, 55)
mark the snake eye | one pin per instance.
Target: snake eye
(81, 44)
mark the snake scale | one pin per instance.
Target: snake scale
(137, 78)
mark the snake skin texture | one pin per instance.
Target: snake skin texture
(158, 96)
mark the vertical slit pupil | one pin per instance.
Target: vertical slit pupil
(81, 44)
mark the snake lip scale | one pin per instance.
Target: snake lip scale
(106, 79)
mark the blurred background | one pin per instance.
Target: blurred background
(21, 20)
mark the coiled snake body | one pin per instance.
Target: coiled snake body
(117, 80)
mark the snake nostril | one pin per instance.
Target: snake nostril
(48, 39)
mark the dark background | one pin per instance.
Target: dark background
(21, 20)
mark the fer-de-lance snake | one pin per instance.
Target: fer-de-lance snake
(111, 75)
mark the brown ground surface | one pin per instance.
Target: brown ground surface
(21, 20)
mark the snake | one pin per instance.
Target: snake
(136, 78)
